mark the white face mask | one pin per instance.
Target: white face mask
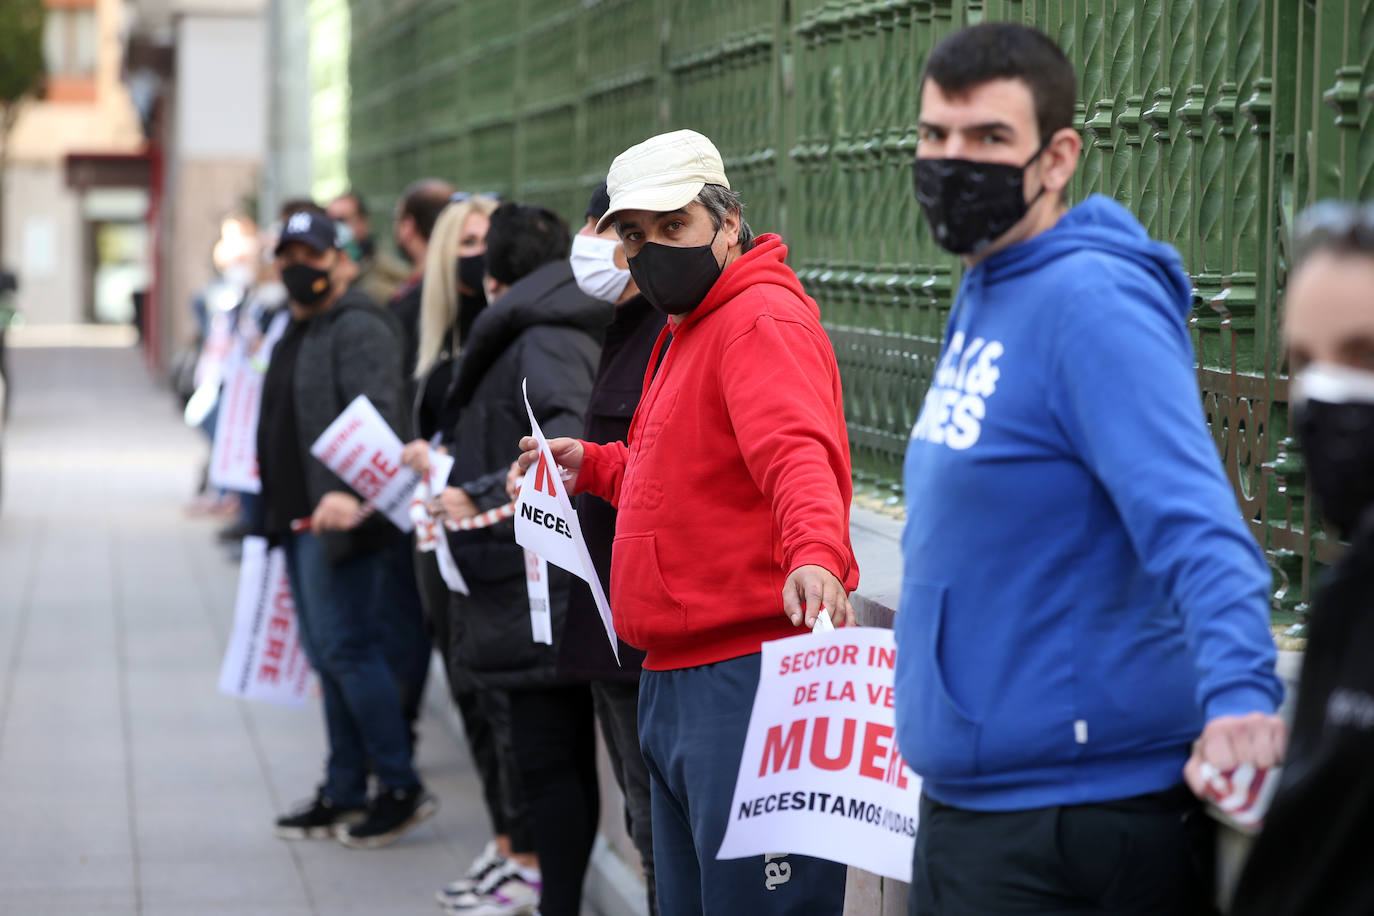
(593, 264)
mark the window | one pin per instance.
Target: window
(69, 50)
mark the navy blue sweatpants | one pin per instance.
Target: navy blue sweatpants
(692, 724)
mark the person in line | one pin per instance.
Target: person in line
(380, 274)
(539, 328)
(416, 211)
(1081, 603)
(338, 345)
(1312, 853)
(733, 490)
(452, 298)
(602, 272)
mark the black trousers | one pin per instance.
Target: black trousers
(555, 744)
(486, 719)
(1151, 855)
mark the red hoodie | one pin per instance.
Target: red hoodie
(736, 471)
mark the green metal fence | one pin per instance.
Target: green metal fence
(1214, 120)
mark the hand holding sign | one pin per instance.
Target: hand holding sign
(545, 522)
(364, 452)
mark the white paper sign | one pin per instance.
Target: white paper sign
(537, 587)
(546, 524)
(234, 455)
(264, 660)
(821, 774)
(366, 454)
(430, 536)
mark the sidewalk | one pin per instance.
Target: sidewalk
(128, 784)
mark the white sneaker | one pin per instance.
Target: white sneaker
(502, 893)
(482, 866)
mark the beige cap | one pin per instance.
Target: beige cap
(663, 173)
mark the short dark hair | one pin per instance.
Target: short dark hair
(523, 238)
(1006, 50)
(1336, 227)
(423, 201)
(358, 203)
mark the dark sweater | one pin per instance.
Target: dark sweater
(630, 339)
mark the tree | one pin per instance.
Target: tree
(21, 73)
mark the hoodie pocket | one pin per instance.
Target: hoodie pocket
(940, 737)
(646, 613)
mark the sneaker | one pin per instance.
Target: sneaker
(502, 893)
(481, 867)
(317, 819)
(392, 813)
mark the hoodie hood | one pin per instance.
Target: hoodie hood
(1098, 224)
(547, 296)
(764, 262)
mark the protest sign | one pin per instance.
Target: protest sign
(366, 454)
(429, 532)
(537, 587)
(546, 524)
(821, 774)
(264, 660)
(234, 455)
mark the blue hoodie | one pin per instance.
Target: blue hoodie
(1080, 591)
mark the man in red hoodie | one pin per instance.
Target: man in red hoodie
(733, 490)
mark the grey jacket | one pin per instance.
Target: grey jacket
(352, 349)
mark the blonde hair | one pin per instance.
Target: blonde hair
(439, 294)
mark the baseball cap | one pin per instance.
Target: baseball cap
(599, 201)
(309, 228)
(663, 173)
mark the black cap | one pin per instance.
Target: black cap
(309, 228)
(600, 202)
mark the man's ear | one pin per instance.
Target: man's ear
(1060, 159)
(729, 228)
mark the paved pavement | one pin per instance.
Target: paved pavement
(128, 784)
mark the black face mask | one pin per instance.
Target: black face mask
(367, 247)
(305, 285)
(471, 269)
(675, 280)
(971, 204)
(1336, 431)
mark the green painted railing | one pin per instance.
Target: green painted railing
(1214, 120)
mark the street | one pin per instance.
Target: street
(128, 783)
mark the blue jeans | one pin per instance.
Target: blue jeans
(692, 724)
(338, 607)
(405, 641)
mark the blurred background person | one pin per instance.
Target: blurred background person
(380, 274)
(416, 212)
(1311, 856)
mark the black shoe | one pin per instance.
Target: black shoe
(317, 819)
(392, 813)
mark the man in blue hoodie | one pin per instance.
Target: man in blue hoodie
(1082, 605)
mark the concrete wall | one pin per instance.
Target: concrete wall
(44, 243)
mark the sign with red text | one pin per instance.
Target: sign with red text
(365, 453)
(546, 524)
(264, 660)
(234, 454)
(821, 774)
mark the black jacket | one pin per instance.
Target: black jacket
(1314, 850)
(548, 331)
(630, 339)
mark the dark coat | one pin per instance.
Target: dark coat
(1312, 854)
(630, 339)
(352, 349)
(548, 331)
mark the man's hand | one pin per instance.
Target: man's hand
(337, 511)
(566, 452)
(453, 503)
(1229, 741)
(810, 588)
(416, 456)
